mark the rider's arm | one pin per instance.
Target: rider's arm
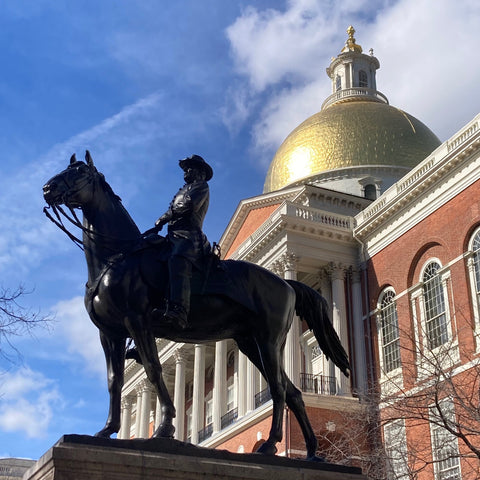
(183, 204)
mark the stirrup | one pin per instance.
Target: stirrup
(177, 314)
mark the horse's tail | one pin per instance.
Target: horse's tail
(312, 307)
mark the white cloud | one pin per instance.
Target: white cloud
(426, 60)
(27, 402)
(82, 337)
(270, 45)
(29, 236)
(425, 54)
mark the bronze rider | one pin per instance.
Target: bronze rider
(185, 217)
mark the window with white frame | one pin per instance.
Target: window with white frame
(474, 271)
(209, 410)
(231, 394)
(389, 333)
(338, 83)
(362, 78)
(444, 443)
(476, 259)
(436, 328)
(396, 450)
(189, 424)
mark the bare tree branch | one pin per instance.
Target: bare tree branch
(16, 320)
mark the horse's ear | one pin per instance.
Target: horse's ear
(88, 159)
(73, 159)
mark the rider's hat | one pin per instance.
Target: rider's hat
(196, 161)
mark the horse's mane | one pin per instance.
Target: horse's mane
(107, 187)
(115, 198)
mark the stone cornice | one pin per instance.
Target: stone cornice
(296, 195)
(455, 153)
(293, 217)
(249, 204)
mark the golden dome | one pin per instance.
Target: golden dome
(350, 134)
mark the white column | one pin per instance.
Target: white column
(198, 407)
(145, 410)
(339, 318)
(326, 291)
(219, 384)
(250, 390)
(138, 414)
(307, 353)
(179, 395)
(242, 384)
(360, 362)
(158, 415)
(126, 421)
(292, 353)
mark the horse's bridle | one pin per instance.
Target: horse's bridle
(71, 189)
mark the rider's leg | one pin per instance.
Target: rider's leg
(180, 272)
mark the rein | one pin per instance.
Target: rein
(59, 223)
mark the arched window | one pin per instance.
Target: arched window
(435, 312)
(362, 78)
(473, 262)
(476, 261)
(389, 331)
(338, 83)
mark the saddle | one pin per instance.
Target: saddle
(210, 275)
(149, 259)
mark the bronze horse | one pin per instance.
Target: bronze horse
(119, 298)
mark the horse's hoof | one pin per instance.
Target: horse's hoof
(267, 448)
(105, 433)
(164, 431)
(316, 458)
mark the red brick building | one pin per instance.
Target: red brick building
(421, 241)
(364, 204)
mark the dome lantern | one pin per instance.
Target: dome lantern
(353, 74)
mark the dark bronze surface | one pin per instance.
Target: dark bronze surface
(123, 289)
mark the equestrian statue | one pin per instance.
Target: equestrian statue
(146, 286)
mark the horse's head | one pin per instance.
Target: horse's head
(74, 186)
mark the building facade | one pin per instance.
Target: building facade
(420, 241)
(364, 204)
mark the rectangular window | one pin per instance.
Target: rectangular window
(209, 412)
(435, 308)
(231, 397)
(389, 332)
(391, 338)
(444, 444)
(396, 450)
(436, 323)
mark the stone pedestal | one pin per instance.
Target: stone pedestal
(81, 457)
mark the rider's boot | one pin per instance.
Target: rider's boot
(180, 271)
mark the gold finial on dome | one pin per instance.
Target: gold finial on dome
(350, 45)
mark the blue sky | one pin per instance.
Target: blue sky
(143, 84)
